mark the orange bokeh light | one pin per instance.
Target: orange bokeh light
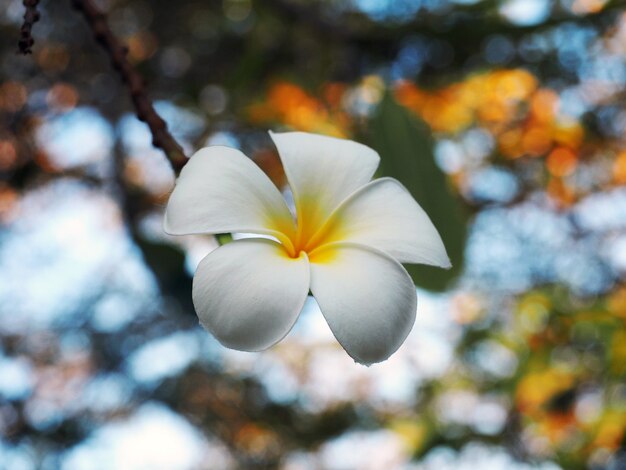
(509, 104)
(562, 161)
(8, 154)
(62, 96)
(289, 104)
(619, 168)
(13, 96)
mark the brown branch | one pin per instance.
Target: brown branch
(31, 16)
(161, 137)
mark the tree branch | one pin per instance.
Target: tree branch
(161, 137)
(31, 16)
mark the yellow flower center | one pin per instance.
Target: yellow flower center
(313, 230)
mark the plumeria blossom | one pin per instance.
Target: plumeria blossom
(345, 244)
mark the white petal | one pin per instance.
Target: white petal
(249, 293)
(384, 215)
(367, 298)
(220, 190)
(321, 172)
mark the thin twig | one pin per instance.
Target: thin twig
(31, 16)
(161, 137)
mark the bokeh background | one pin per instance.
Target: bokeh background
(505, 118)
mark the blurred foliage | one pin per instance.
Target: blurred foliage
(407, 150)
(510, 111)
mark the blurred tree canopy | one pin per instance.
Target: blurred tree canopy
(505, 118)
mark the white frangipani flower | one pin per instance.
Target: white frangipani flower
(346, 244)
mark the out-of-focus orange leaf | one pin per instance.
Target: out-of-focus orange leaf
(616, 302)
(62, 96)
(536, 388)
(490, 99)
(288, 104)
(585, 7)
(8, 154)
(8, 201)
(523, 118)
(561, 161)
(141, 46)
(560, 192)
(12, 96)
(557, 427)
(611, 430)
(619, 168)
(53, 58)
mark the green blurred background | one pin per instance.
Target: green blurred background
(505, 119)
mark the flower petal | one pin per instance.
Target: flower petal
(321, 172)
(384, 215)
(220, 190)
(249, 293)
(367, 298)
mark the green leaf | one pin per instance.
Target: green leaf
(406, 148)
(167, 263)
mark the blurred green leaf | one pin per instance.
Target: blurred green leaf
(167, 263)
(406, 149)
